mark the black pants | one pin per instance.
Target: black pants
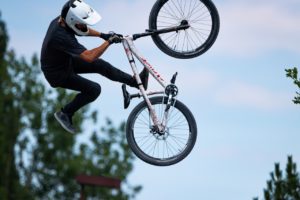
(89, 90)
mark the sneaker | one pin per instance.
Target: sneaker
(144, 75)
(65, 121)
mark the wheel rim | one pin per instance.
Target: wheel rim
(196, 14)
(163, 147)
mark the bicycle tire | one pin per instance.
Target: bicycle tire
(201, 15)
(135, 134)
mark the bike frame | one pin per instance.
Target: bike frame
(131, 52)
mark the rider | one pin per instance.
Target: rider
(63, 58)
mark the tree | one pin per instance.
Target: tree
(10, 126)
(38, 159)
(293, 74)
(283, 187)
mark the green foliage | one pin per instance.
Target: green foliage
(10, 112)
(293, 74)
(39, 160)
(283, 187)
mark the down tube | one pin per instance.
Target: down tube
(134, 69)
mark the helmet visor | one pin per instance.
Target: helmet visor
(92, 17)
(84, 13)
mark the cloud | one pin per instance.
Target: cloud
(240, 94)
(124, 16)
(249, 28)
(197, 82)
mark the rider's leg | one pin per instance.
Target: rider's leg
(89, 91)
(106, 69)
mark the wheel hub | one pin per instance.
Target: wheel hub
(184, 22)
(160, 135)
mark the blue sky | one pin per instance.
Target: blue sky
(237, 91)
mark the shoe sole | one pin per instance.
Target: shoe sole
(146, 79)
(62, 124)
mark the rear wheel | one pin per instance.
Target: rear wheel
(202, 17)
(161, 148)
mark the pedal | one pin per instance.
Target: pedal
(174, 78)
(126, 96)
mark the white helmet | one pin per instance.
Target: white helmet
(78, 15)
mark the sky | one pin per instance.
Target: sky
(237, 91)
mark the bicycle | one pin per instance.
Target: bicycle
(161, 130)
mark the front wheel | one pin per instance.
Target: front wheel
(161, 148)
(202, 17)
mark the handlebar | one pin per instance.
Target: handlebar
(160, 31)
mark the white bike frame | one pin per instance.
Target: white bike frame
(131, 52)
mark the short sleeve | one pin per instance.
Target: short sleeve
(68, 44)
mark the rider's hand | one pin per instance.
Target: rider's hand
(116, 38)
(106, 36)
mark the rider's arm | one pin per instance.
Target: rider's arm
(94, 33)
(93, 54)
(104, 36)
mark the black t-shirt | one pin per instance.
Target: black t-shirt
(59, 47)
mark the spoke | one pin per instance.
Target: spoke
(167, 36)
(158, 110)
(179, 120)
(179, 140)
(201, 17)
(175, 44)
(177, 128)
(167, 148)
(178, 40)
(201, 22)
(178, 9)
(154, 148)
(198, 35)
(139, 127)
(171, 24)
(176, 114)
(143, 120)
(166, 17)
(168, 13)
(189, 41)
(142, 138)
(201, 31)
(172, 41)
(191, 38)
(145, 142)
(178, 145)
(189, 10)
(151, 144)
(172, 149)
(201, 34)
(163, 149)
(171, 117)
(172, 11)
(183, 42)
(194, 9)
